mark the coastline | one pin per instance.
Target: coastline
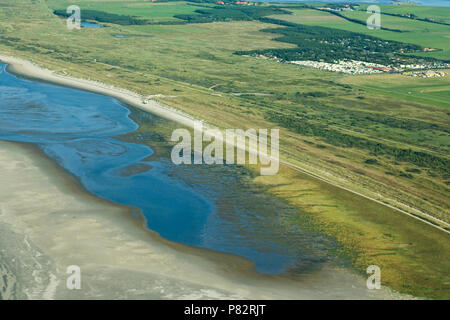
(30, 70)
(34, 233)
(48, 223)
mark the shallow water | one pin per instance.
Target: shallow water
(85, 24)
(215, 207)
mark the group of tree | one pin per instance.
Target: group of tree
(102, 16)
(230, 13)
(319, 43)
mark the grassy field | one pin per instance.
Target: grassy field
(163, 11)
(426, 34)
(434, 92)
(369, 234)
(193, 68)
(422, 12)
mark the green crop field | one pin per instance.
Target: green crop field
(422, 33)
(384, 136)
(434, 92)
(156, 11)
(438, 13)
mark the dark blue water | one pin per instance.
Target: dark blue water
(195, 205)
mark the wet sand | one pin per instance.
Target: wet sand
(49, 222)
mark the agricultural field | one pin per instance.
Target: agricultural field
(155, 12)
(433, 92)
(441, 14)
(425, 34)
(384, 136)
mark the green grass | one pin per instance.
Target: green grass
(433, 91)
(422, 33)
(155, 11)
(422, 12)
(411, 259)
(426, 34)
